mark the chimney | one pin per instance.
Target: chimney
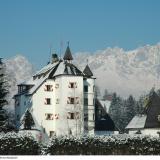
(55, 58)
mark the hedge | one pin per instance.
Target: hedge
(104, 145)
(18, 144)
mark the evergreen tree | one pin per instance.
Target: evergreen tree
(158, 92)
(139, 105)
(116, 111)
(97, 91)
(130, 108)
(28, 121)
(3, 97)
(105, 94)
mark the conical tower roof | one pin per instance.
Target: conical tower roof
(68, 54)
(87, 71)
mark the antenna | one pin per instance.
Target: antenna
(68, 43)
(87, 61)
(61, 48)
(50, 53)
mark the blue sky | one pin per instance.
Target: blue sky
(28, 27)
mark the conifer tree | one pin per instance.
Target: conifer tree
(3, 97)
(28, 121)
(115, 110)
(130, 108)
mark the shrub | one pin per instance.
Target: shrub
(18, 144)
(104, 145)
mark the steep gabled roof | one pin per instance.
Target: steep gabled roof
(50, 71)
(105, 124)
(68, 54)
(87, 71)
(151, 112)
(138, 122)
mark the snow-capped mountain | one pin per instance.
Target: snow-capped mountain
(125, 72)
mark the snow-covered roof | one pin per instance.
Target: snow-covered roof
(137, 122)
(46, 68)
(50, 71)
(105, 104)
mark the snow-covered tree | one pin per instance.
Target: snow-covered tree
(3, 97)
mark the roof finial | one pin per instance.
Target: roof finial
(68, 43)
(68, 55)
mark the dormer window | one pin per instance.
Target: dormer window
(24, 88)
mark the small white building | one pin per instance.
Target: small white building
(147, 123)
(60, 97)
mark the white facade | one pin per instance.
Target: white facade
(61, 104)
(89, 108)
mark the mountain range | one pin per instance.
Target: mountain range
(125, 72)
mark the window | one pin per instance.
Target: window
(47, 101)
(17, 102)
(48, 88)
(71, 100)
(86, 117)
(93, 88)
(86, 101)
(93, 117)
(48, 116)
(57, 86)
(70, 115)
(72, 85)
(18, 117)
(51, 133)
(85, 88)
(57, 101)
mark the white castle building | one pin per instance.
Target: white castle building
(60, 98)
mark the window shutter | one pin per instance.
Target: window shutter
(57, 101)
(56, 116)
(68, 100)
(75, 85)
(51, 87)
(68, 115)
(57, 86)
(45, 88)
(77, 116)
(45, 102)
(77, 100)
